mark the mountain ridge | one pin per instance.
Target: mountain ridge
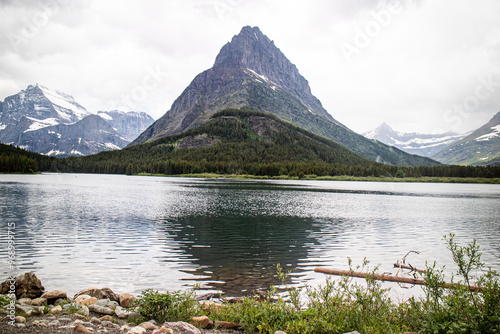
(51, 122)
(414, 143)
(481, 147)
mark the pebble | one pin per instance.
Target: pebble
(148, 325)
(54, 294)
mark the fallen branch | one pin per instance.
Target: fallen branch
(405, 266)
(380, 277)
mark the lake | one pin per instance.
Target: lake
(130, 233)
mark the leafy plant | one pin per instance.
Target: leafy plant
(170, 306)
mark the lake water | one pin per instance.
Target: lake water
(130, 233)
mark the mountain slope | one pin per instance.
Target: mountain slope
(414, 143)
(233, 141)
(251, 72)
(129, 125)
(89, 136)
(481, 147)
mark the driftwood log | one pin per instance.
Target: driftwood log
(381, 277)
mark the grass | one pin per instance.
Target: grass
(347, 305)
(423, 179)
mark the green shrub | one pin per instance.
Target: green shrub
(170, 306)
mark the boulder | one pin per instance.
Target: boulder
(54, 295)
(202, 322)
(181, 327)
(104, 293)
(126, 299)
(26, 285)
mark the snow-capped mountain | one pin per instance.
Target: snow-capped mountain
(415, 143)
(51, 122)
(128, 124)
(481, 147)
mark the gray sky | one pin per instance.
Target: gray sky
(420, 65)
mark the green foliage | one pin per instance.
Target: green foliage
(170, 306)
(349, 304)
(17, 160)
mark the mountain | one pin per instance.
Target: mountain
(130, 124)
(481, 147)
(34, 108)
(414, 143)
(251, 72)
(51, 122)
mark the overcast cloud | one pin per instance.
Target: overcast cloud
(422, 66)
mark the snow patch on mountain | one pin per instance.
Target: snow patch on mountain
(491, 135)
(64, 104)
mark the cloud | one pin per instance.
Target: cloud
(425, 59)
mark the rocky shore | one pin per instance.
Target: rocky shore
(28, 308)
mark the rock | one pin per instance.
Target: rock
(109, 324)
(54, 294)
(102, 302)
(94, 320)
(82, 329)
(39, 302)
(279, 332)
(137, 330)
(100, 309)
(60, 301)
(83, 311)
(21, 325)
(85, 300)
(120, 313)
(162, 330)
(133, 316)
(24, 301)
(126, 299)
(181, 327)
(202, 322)
(26, 309)
(148, 325)
(226, 325)
(99, 293)
(355, 332)
(80, 317)
(65, 320)
(56, 310)
(106, 318)
(26, 285)
(21, 320)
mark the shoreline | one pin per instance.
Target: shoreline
(422, 179)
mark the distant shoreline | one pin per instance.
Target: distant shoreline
(422, 179)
